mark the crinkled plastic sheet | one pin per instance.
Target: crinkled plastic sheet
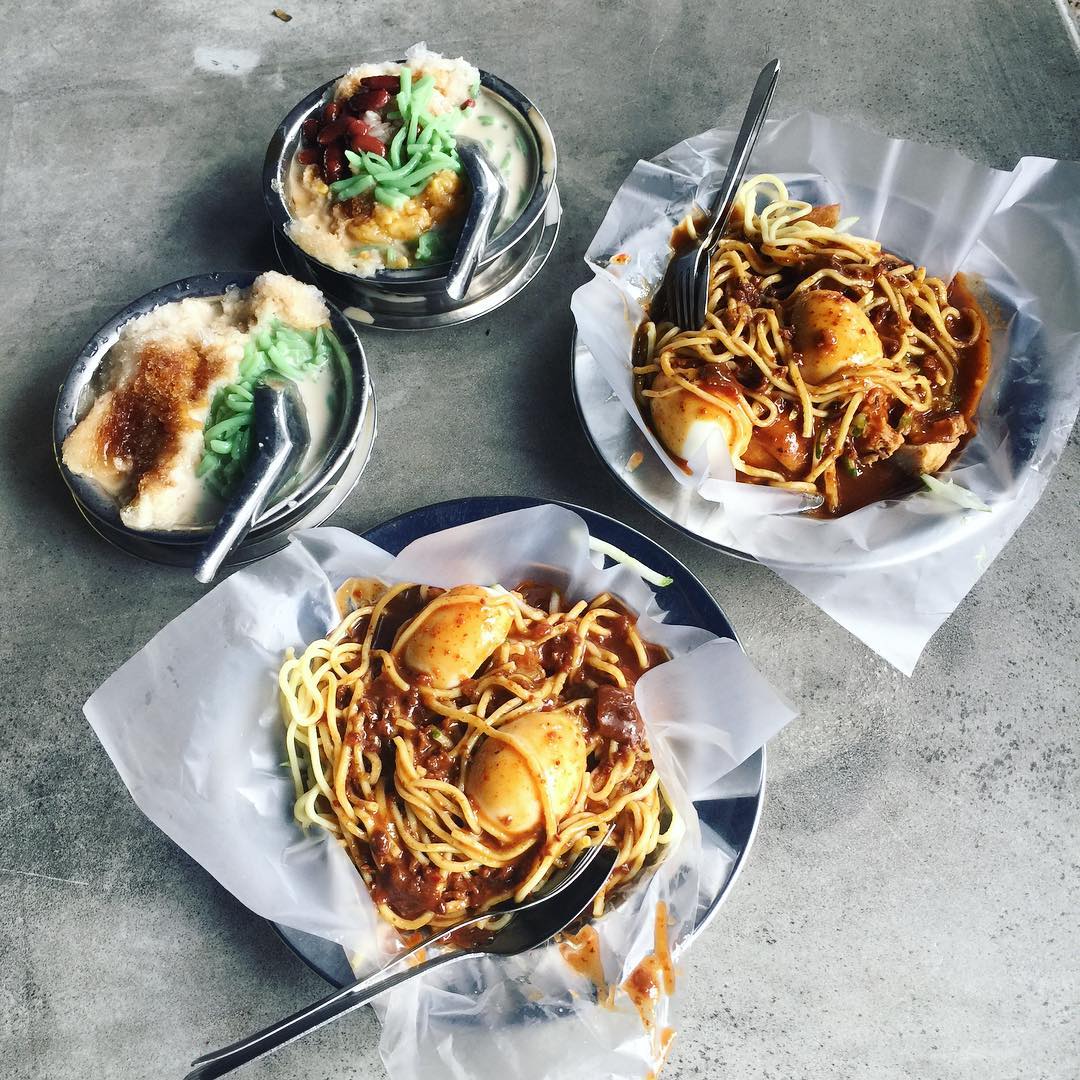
(892, 572)
(192, 724)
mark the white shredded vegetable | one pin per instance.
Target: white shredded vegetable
(620, 556)
(954, 493)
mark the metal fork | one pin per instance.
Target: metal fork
(534, 922)
(688, 278)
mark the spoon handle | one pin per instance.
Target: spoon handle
(257, 485)
(484, 208)
(476, 231)
(752, 122)
(313, 1017)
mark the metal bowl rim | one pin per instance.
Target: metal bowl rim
(95, 502)
(282, 145)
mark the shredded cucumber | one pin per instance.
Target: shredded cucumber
(620, 556)
(952, 492)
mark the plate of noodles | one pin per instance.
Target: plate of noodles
(830, 366)
(581, 658)
(853, 398)
(392, 732)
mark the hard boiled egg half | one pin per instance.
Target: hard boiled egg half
(832, 334)
(684, 422)
(506, 790)
(456, 633)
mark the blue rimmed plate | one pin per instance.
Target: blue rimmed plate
(686, 601)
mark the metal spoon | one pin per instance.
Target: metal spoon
(533, 923)
(279, 429)
(488, 196)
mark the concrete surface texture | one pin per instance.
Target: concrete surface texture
(911, 906)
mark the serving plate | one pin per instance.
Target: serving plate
(415, 299)
(1013, 409)
(686, 600)
(301, 506)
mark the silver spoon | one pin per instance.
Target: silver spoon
(279, 429)
(534, 922)
(488, 196)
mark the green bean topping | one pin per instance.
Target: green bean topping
(423, 145)
(277, 348)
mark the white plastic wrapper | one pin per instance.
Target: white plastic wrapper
(192, 723)
(892, 572)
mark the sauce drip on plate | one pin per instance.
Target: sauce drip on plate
(581, 951)
(651, 981)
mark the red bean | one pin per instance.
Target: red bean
(331, 132)
(381, 82)
(308, 156)
(333, 163)
(468, 103)
(309, 129)
(331, 111)
(355, 126)
(369, 143)
(373, 100)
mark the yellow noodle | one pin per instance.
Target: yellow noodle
(781, 235)
(428, 821)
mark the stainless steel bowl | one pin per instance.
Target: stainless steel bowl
(264, 541)
(355, 426)
(416, 298)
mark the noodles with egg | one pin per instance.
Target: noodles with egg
(465, 744)
(828, 364)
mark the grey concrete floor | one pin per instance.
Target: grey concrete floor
(911, 906)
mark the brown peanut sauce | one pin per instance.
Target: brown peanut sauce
(652, 980)
(411, 889)
(149, 416)
(581, 951)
